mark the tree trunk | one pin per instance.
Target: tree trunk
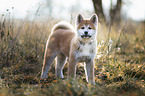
(99, 10)
(115, 12)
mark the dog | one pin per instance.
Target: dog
(78, 44)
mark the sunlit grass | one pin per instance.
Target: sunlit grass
(119, 67)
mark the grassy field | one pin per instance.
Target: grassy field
(119, 65)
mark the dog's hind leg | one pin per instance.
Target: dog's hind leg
(46, 65)
(50, 53)
(61, 60)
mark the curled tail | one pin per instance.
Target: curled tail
(62, 25)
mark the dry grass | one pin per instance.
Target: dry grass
(119, 71)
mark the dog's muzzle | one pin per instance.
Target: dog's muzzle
(86, 35)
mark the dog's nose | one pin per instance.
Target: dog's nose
(86, 32)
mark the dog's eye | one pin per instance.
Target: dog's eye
(89, 28)
(83, 28)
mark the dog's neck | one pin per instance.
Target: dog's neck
(84, 42)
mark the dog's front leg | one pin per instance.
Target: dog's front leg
(89, 70)
(72, 68)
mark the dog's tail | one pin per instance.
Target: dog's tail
(62, 25)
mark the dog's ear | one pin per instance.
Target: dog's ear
(94, 19)
(79, 18)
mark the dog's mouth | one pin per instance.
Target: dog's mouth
(86, 36)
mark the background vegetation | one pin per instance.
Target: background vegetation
(119, 65)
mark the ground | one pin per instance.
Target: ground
(119, 65)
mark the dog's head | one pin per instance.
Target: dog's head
(87, 28)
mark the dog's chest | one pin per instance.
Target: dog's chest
(85, 51)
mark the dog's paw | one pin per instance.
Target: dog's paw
(44, 76)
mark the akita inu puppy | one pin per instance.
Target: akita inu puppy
(79, 45)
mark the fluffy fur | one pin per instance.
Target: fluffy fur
(79, 45)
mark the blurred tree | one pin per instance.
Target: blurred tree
(115, 11)
(99, 10)
(49, 4)
(45, 9)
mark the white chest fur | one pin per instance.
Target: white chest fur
(86, 51)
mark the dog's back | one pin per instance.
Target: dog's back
(62, 34)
